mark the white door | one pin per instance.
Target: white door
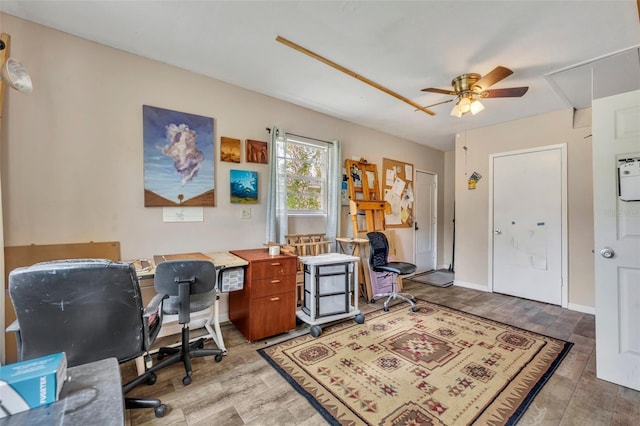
(616, 136)
(528, 190)
(426, 221)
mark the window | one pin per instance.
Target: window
(302, 166)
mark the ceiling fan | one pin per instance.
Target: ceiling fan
(469, 88)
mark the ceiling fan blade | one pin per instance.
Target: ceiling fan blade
(351, 73)
(442, 91)
(494, 76)
(510, 92)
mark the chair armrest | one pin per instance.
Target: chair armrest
(154, 304)
(152, 320)
(14, 327)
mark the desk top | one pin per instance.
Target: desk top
(260, 254)
(92, 395)
(328, 259)
(180, 256)
(221, 260)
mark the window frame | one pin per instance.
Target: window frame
(283, 160)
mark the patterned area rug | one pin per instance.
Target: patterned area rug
(437, 366)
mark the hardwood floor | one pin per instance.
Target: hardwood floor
(244, 390)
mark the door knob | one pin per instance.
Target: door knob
(607, 252)
(497, 232)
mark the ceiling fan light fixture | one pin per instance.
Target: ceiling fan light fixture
(456, 112)
(14, 73)
(464, 105)
(476, 106)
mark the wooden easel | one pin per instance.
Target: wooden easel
(364, 196)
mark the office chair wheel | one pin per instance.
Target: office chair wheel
(360, 319)
(160, 356)
(385, 308)
(414, 309)
(186, 380)
(218, 357)
(373, 300)
(160, 410)
(151, 380)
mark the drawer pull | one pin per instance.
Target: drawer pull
(275, 281)
(275, 264)
(275, 299)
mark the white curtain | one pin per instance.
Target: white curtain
(334, 182)
(277, 221)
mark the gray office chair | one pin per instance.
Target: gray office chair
(379, 262)
(90, 309)
(191, 286)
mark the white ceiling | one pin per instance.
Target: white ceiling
(402, 45)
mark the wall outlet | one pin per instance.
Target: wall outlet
(245, 213)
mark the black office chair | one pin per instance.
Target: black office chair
(379, 262)
(191, 286)
(90, 309)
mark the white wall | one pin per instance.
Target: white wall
(472, 206)
(72, 150)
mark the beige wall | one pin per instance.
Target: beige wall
(72, 150)
(472, 206)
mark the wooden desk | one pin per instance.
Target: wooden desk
(91, 396)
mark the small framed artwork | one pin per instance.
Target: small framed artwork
(229, 149)
(257, 152)
(244, 187)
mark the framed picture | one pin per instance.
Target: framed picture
(244, 186)
(257, 152)
(178, 159)
(229, 150)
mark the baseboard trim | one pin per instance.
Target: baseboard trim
(471, 285)
(582, 308)
(571, 306)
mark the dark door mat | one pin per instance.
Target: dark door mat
(436, 278)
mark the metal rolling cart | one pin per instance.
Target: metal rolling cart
(330, 290)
